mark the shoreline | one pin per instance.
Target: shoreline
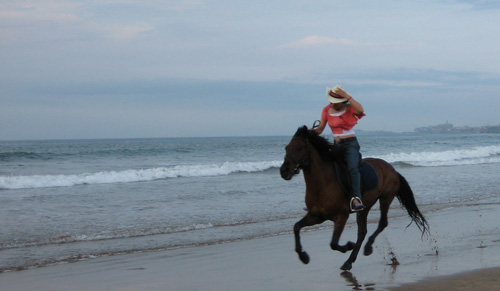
(482, 279)
(463, 239)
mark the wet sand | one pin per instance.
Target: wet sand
(485, 279)
(464, 239)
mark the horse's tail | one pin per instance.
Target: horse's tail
(405, 197)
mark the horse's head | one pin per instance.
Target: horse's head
(297, 154)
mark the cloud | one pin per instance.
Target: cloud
(182, 5)
(395, 100)
(317, 40)
(70, 17)
(163, 54)
(123, 31)
(39, 11)
(481, 4)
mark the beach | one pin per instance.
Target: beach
(214, 214)
(484, 279)
(462, 239)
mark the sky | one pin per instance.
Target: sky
(196, 68)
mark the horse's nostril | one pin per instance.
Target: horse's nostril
(285, 172)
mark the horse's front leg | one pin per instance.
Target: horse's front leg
(361, 221)
(308, 220)
(338, 227)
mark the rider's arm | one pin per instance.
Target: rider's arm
(320, 127)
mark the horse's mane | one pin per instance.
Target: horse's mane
(321, 144)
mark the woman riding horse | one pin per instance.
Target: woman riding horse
(325, 196)
(341, 115)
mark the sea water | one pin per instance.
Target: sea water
(66, 200)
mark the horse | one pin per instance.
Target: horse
(326, 198)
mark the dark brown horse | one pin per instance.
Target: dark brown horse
(326, 199)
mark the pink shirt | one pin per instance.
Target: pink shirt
(342, 120)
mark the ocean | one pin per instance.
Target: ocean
(69, 200)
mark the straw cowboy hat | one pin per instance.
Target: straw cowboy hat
(333, 97)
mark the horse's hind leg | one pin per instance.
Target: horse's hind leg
(308, 220)
(382, 224)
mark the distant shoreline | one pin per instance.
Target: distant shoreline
(449, 128)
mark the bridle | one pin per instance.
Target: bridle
(299, 164)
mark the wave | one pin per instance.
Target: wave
(128, 176)
(103, 236)
(13, 156)
(470, 156)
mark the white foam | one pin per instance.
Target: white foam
(127, 176)
(471, 156)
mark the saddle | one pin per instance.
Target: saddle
(369, 178)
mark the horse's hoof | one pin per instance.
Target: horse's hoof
(304, 257)
(346, 266)
(368, 250)
(341, 249)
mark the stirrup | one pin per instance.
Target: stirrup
(360, 207)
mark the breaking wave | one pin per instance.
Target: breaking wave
(140, 175)
(471, 156)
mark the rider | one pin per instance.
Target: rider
(341, 115)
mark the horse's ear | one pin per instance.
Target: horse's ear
(302, 132)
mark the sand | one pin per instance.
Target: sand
(464, 241)
(486, 279)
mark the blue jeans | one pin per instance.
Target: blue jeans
(350, 150)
